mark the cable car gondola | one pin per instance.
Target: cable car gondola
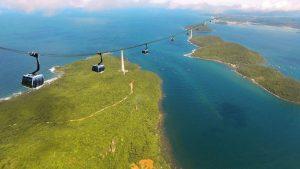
(172, 39)
(100, 66)
(33, 80)
(146, 50)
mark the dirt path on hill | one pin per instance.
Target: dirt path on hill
(107, 107)
(131, 84)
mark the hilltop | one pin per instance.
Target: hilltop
(85, 120)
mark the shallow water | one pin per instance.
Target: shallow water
(214, 118)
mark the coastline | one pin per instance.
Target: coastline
(166, 147)
(47, 82)
(234, 68)
(16, 94)
(190, 55)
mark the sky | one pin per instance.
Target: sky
(215, 6)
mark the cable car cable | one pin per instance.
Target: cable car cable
(108, 51)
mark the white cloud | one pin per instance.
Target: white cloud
(211, 5)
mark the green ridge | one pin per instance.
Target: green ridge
(199, 27)
(249, 64)
(36, 131)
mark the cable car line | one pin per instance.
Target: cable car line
(13, 50)
(108, 51)
(34, 80)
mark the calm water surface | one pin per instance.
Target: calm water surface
(214, 119)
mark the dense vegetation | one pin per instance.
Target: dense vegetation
(273, 81)
(249, 64)
(85, 120)
(215, 48)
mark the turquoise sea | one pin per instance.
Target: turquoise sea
(214, 119)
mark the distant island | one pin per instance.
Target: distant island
(249, 64)
(85, 120)
(278, 21)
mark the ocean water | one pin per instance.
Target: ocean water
(214, 119)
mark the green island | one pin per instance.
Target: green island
(249, 64)
(199, 28)
(86, 120)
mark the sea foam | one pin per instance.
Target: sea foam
(11, 96)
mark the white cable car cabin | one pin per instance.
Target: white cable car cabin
(100, 66)
(33, 80)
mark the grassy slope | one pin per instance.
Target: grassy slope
(215, 48)
(249, 64)
(114, 138)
